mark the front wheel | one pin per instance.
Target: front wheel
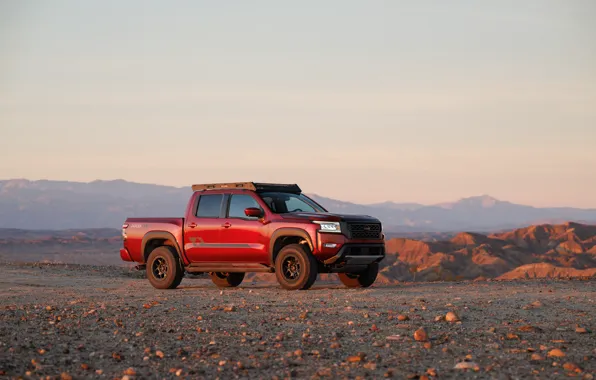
(295, 268)
(227, 280)
(163, 268)
(362, 279)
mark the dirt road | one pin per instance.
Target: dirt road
(107, 322)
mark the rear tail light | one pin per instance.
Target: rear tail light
(124, 227)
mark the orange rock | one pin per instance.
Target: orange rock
(556, 353)
(420, 335)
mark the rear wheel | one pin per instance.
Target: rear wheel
(163, 268)
(226, 280)
(295, 268)
(362, 279)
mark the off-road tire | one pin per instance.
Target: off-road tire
(295, 267)
(362, 279)
(163, 268)
(226, 280)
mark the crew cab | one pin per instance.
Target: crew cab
(230, 229)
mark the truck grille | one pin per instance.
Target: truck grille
(364, 230)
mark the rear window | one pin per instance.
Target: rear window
(209, 206)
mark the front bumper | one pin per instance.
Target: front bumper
(353, 255)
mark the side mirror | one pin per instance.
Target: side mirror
(253, 212)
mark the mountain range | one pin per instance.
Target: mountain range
(57, 205)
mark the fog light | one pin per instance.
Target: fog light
(329, 245)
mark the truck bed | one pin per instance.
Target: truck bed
(136, 228)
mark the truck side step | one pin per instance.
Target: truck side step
(228, 267)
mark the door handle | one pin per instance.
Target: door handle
(192, 225)
(226, 225)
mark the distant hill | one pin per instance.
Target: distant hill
(563, 250)
(106, 204)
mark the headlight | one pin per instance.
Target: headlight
(329, 226)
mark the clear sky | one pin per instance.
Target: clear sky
(365, 101)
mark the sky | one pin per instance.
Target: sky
(363, 101)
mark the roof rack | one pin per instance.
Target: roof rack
(252, 186)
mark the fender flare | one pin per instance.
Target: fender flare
(285, 232)
(161, 235)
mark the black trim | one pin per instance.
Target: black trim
(278, 187)
(342, 257)
(225, 206)
(228, 267)
(161, 235)
(287, 232)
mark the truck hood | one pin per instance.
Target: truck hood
(330, 217)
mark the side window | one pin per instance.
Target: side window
(240, 202)
(209, 206)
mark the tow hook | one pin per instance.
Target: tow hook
(140, 267)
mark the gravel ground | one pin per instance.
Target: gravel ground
(71, 321)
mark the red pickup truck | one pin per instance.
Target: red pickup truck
(234, 228)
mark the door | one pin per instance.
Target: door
(202, 231)
(245, 238)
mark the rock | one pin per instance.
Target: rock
(394, 337)
(431, 372)
(511, 336)
(556, 353)
(324, 372)
(420, 335)
(439, 318)
(492, 330)
(581, 330)
(467, 365)
(528, 328)
(537, 357)
(64, 375)
(428, 345)
(403, 318)
(572, 367)
(159, 354)
(452, 317)
(229, 309)
(130, 371)
(370, 366)
(388, 374)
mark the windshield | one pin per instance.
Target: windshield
(282, 203)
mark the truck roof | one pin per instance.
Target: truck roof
(252, 186)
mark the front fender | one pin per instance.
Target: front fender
(285, 232)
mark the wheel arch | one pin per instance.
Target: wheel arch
(155, 239)
(286, 236)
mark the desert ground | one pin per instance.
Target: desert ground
(83, 321)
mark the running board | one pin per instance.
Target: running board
(228, 267)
